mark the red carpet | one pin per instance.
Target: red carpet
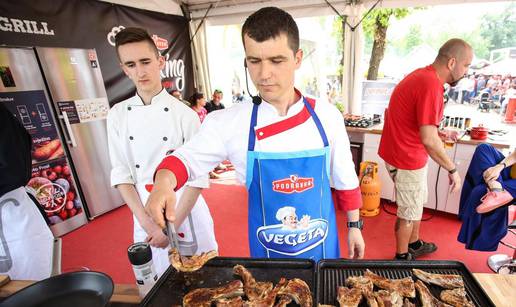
(101, 245)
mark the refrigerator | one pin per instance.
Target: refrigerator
(58, 95)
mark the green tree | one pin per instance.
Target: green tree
(499, 30)
(375, 24)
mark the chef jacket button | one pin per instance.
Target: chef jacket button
(166, 109)
(260, 133)
(131, 138)
(129, 108)
(165, 138)
(137, 165)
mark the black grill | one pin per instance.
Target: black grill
(333, 273)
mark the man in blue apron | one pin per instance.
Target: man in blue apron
(288, 149)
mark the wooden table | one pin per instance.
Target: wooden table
(500, 288)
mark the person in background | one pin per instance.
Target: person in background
(216, 102)
(140, 131)
(26, 251)
(176, 94)
(489, 187)
(288, 149)
(197, 103)
(410, 135)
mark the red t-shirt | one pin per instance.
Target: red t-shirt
(416, 101)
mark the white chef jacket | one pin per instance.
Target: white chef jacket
(224, 135)
(139, 136)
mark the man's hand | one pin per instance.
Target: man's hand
(448, 135)
(492, 173)
(455, 182)
(162, 198)
(356, 245)
(156, 237)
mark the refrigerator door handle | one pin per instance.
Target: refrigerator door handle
(69, 130)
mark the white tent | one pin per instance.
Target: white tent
(225, 12)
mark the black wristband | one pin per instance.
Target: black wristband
(452, 171)
(504, 165)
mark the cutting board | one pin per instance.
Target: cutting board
(4, 279)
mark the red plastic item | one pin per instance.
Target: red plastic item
(479, 133)
(511, 109)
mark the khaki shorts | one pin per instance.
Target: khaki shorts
(411, 191)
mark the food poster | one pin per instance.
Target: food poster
(51, 175)
(54, 188)
(33, 111)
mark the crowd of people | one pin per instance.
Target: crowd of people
(478, 87)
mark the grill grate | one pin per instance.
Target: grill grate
(333, 273)
(173, 285)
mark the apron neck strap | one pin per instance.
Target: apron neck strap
(254, 119)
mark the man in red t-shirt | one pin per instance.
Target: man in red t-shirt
(410, 135)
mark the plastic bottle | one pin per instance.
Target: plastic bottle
(140, 256)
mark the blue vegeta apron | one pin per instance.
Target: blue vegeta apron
(291, 212)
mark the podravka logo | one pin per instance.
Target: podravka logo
(160, 42)
(292, 184)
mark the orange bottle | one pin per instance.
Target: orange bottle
(370, 187)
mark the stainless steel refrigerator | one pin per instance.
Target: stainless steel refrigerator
(70, 154)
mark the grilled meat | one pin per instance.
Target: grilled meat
(230, 302)
(370, 298)
(407, 303)
(427, 299)
(349, 297)
(203, 297)
(283, 301)
(189, 264)
(404, 286)
(446, 281)
(361, 282)
(456, 297)
(299, 291)
(268, 299)
(253, 290)
(386, 298)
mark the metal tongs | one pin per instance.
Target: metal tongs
(171, 233)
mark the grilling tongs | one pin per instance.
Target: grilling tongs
(171, 233)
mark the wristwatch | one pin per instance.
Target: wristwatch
(358, 224)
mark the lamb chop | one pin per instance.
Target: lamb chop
(203, 297)
(189, 264)
(299, 291)
(446, 281)
(427, 299)
(253, 290)
(456, 297)
(361, 282)
(388, 298)
(269, 297)
(230, 302)
(349, 297)
(404, 286)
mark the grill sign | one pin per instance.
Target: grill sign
(292, 242)
(292, 184)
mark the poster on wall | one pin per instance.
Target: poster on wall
(32, 110)
(51, 178)
(38, 23)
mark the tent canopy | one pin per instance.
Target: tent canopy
(235, 11)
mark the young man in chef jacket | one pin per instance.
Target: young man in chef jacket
(141, 130)
(289, 151)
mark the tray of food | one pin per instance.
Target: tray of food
(225, 281)
(397, 283)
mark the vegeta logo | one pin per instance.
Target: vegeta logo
(292, 184)
(292, 237)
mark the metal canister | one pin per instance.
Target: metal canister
(467, 123)
(140, 256)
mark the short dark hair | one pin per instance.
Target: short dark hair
(270, 22)
(195, 96)
(134, 35)
(217, 91)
